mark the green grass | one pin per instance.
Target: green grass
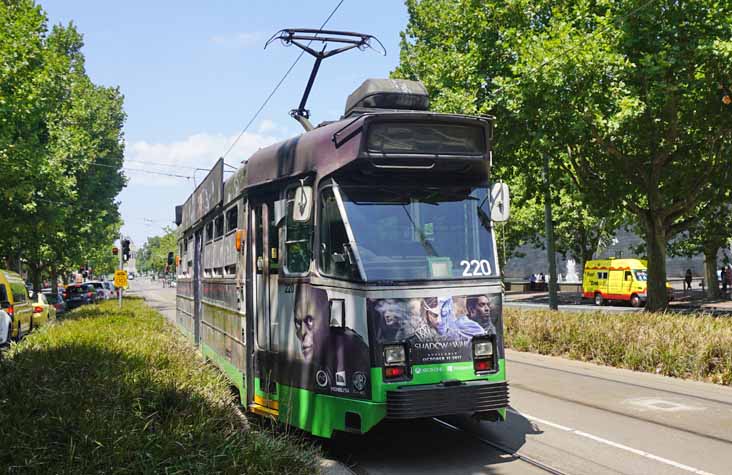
(110, 391)
(684, 346)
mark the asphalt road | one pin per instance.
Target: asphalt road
(571, 417)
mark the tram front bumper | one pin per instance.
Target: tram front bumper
(430, 400)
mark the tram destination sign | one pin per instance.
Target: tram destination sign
(208, 195)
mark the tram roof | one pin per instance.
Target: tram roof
(329, 147)
(308, 152)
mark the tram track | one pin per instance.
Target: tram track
(623, 414)
(620, 381)
(501, 448)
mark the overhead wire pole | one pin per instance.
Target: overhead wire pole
(549, 231)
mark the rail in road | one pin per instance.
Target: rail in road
(566, 417)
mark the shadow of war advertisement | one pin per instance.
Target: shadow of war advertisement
(437, 329)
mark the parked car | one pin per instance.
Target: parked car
(43, 312)
(56, 300)
(5, 328)
(110, 287)
(14, 300)
(131, 276)
(77, 295)
(103, 293)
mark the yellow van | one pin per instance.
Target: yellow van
(15, 301)
(606, 280)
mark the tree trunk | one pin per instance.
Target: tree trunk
(656, 246)
(35, 274)
(710, 271)
(54, 280)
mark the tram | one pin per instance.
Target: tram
(350, 275)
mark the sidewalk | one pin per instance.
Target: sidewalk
(688, 301)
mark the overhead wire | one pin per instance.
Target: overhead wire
(277, 86)
(123, 168)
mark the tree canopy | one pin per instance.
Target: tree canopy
(61, 146)
(626, 97)
(153, 256)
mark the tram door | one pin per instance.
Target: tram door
(265, 269)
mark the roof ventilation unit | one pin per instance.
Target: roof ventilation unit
(387, 94)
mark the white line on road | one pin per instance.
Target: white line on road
(612, 444)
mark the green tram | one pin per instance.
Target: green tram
(349, 275)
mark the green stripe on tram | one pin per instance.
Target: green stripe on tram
(321, 414)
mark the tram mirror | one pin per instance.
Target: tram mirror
(303, 206)
(500, 203)
(280, 210)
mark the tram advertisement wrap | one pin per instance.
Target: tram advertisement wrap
(325, 359)
(438, 330)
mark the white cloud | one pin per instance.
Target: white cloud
(236, 40)
(184, 156)
(266, 125)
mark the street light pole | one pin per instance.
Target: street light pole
(549, 228)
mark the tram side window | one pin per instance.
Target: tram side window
(298, 240)
(334, 258)
(209, 231)
(232, 217)
(273, 245)
(219, 227)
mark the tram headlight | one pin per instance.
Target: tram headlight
(483, 349)
(394, 355)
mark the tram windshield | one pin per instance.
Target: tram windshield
(406, 234)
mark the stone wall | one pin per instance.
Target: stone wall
(535, 260)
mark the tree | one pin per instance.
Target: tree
(623, 96)
(637, 105)
(61, 153)
(710, 232)
(153, 256)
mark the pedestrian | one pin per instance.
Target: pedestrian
(687, 280)
(728, 278)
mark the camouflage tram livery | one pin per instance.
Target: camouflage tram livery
(349, 274)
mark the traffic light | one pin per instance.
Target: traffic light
(170, 258)
(115, 251)
(126, 254)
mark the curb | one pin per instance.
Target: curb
(334, 467)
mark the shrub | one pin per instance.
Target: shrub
(679, 345)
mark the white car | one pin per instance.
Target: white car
(103, 292)
(110, 287)
(5, 323)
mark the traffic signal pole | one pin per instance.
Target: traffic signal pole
(119, 289)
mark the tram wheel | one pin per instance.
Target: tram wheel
(599, 299)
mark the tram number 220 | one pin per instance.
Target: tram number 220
(476, 267)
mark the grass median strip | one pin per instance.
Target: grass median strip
(680, 345)
(111, 390)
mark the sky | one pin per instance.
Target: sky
(194, 73)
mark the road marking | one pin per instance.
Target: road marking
(612, 444)
(655, 404)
